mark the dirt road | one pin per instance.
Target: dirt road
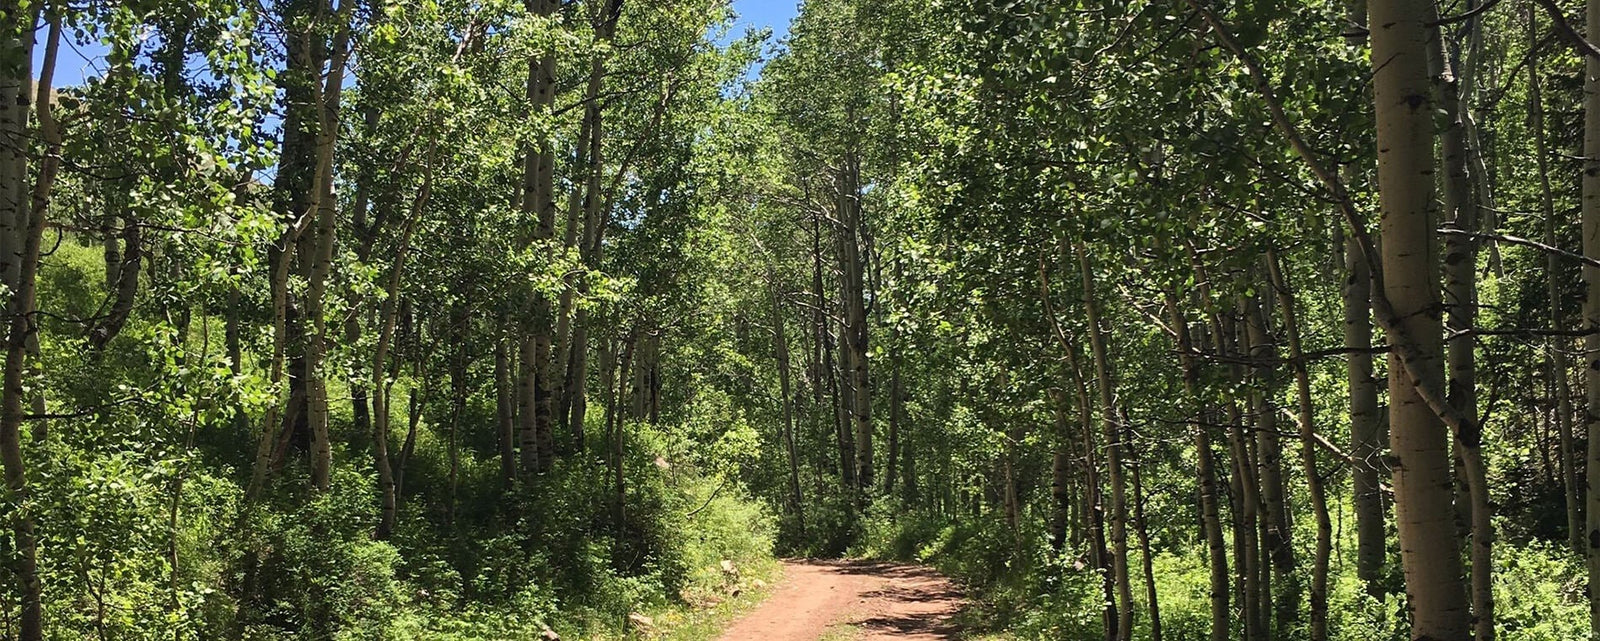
(857, 600)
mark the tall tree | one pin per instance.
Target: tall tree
(1419, 439)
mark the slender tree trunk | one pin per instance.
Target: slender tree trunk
(16, 108)
(843, 438)
(1276, 535)
(268, 438)
(1308, 451)
(388, 314)
(538, 201)
(574, 402)
(1060, 469)
(1591, 308)
(1141, 529)
(853, 343)
(635, 362)
(505, 412)
(786, 400)
(23, 238)
(1094, 511)
(896, 408)
(366, 236)
(1429, 548)
(1366, 426)
(1461, 263)
(1224, 420)
(909, 490)
(1210, 512)
(1367, 429)
(1010, 493)
(458, 406)
(1246, 496)
(527, 399)
(609, 363)
(1113, 435)
(416, 401)
(1101, 557)
(233, 340)
(125, 288)
(1559, 368)
(319, 265)
(1211, 524)
(296, 190)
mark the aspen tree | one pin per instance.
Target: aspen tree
(1591, 310)
(786, 400)
(1305, 416)
(1418, 437)
(1111, 425)
(1461, 292)
(22, 234)
(588, 212)
(1572, 492)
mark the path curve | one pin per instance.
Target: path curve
(880, 600)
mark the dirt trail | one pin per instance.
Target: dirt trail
(881, 601)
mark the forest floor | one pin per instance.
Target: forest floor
(854, 600)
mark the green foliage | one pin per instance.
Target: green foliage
(1539, 594)
(674, 251)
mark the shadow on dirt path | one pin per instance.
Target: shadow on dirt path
(874, 600)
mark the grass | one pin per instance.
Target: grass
(705, 621)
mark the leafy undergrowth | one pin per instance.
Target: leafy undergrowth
(707, 609)
(1026, 595)
(693, 555)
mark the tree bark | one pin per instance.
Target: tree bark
(1591, 308)
(1100, 555)
(854, 331)
(1366, 426)
(1060, 472)
(1211, 525)
(596, 215)
(1141, 529)
(319, 264)
(1276, 535)
(1113, 435)
(124, 289)
(388, 315)
(1429, 547)
(23, 236)
(1308, 450)
(840, 391)
(1560, 385)
(786, 401)
(538, 202)
(1093, 510)
(416, 402)
(505, 412)
(1461, 305)
(1246, 494)
(896, 411)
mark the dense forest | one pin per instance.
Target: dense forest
(539, 319)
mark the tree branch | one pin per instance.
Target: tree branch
(1517, 240)
(1574, 38)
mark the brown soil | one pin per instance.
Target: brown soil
(878, 600)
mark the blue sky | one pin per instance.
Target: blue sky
(81, 60)
(765, 13)
(759, 14)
